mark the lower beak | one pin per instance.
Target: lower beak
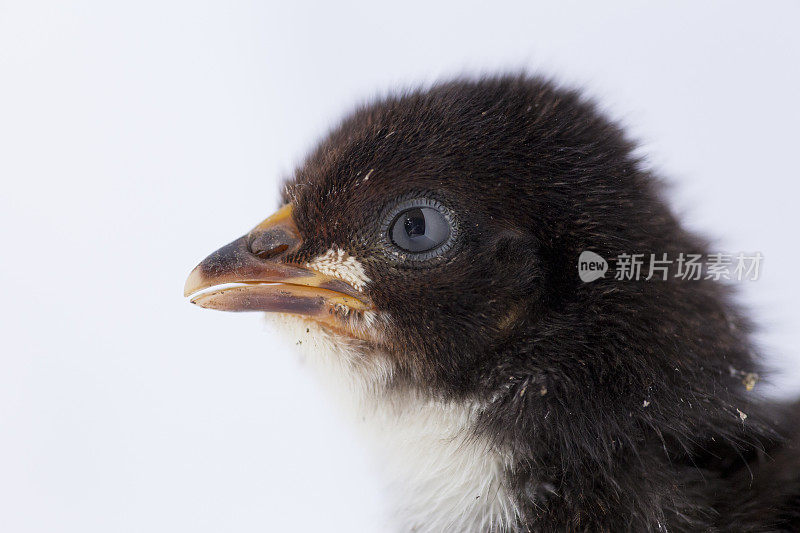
(249, 275)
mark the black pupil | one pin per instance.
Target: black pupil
(414, 223)
(420, 229)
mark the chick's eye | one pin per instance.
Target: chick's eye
(421, 228)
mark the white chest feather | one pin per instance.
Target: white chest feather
(441, 477)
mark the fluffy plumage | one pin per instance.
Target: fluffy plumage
(566, 406)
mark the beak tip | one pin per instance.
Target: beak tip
(193, 282)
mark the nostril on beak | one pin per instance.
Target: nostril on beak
(271, 254)
(270, 245)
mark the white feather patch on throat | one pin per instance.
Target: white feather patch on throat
(441, 477)
(339, 264)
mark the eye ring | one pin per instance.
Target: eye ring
(435, 225)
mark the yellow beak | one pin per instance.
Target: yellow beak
(253, 273)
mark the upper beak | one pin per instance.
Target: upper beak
(262, 282)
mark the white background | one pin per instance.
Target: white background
(136, 137)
